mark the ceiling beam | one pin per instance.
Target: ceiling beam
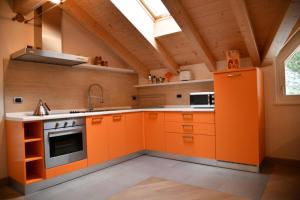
(168, 61)
(242, 17)
(24, 7)
(83, 18)
(189, 29)
(282, 33)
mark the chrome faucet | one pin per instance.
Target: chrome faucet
(95, 92)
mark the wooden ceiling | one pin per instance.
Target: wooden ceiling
(257, 28)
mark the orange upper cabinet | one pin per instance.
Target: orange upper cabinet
(134, 132)
(117, 136)
(239, 116)
(154, 131)
(97, 139)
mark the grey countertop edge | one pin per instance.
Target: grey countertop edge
(24, 117)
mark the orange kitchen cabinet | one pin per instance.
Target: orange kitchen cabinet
(67, 168)
(192, 128)
(239, 116)
(25, 151)
(201, 146)
(154, 131)
(117, 136)
(97, 139)
(134, 132)
(201, 117)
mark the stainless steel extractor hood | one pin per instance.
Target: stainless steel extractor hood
(49, 57)
(48, 40)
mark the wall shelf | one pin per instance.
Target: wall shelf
(173, 83)
(105, 68)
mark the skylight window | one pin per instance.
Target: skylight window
(156, 9)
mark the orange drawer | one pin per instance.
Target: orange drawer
(193, 128)
(203, 146)
(202, 117)
(64, 169)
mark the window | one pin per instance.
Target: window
(292, 73)
(156, 9)
(288, 72)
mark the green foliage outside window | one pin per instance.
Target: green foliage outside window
(292, 73)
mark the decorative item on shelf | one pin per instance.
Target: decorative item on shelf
(149, 78)
(233, 59)
(168, 76)
(185, 75)
(153, 79)
(161, 79)
(104, 63)
(97, 60)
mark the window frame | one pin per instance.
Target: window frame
(151, 14)
(286, 51)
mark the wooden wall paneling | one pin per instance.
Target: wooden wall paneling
(62, 87)
(180, 48)
(265, 17)
(71, 8)
(242, 17)
(183, 20)
(113, 21)
(217, 25)
(282, 33)
(167, 59)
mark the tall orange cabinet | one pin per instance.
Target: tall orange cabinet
(239, 116)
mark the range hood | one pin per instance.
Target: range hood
(48, 57)
(48, 40)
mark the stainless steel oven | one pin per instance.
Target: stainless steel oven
(65, 141)
(202, 99)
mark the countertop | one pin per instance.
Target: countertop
(59, 114)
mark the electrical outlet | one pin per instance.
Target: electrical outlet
(18, 100)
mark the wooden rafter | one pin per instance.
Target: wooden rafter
(183, 20)
(282, 33)
(83, 18)
(168, 61)
(242, 17)
(26, 6)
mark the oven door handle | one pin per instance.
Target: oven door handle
(62, 133)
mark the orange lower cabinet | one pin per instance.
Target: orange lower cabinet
(64, 169)
(154, 131)
(202, 146)
(97, 139)
(117, 136)
(193, 128)
(134, 132)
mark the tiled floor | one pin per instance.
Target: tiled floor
(275, 182)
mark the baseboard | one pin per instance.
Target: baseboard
(282, 161)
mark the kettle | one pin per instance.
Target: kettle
(41, 109)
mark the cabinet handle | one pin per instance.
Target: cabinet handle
(153, 115)
(233, 75)
(188, 138)
(187, 116)
(117, 117)
(188, 128)
(97, 120)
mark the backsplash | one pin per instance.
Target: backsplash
(167, 95)
(63, 87)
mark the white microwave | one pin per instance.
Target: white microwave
(202, 100)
